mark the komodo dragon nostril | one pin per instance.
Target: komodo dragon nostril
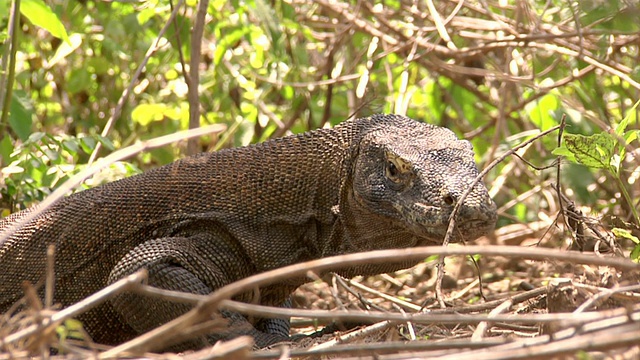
(448, 199)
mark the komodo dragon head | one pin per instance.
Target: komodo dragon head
(409, 175)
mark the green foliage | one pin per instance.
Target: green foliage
(596, 151)
(41, 15)
(43, 162)
(21, 115)
(70, 329)
(626, 234)
(543, 112)
(607, 151)
(603, 150)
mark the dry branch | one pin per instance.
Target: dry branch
(213, 302)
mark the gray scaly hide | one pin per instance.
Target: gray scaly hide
(205, 221)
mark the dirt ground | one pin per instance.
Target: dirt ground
(535, 287)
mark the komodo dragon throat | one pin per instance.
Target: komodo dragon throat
(205, 221)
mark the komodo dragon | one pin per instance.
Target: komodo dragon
(199, 223)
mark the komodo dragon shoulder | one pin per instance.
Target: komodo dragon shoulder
(205, 221)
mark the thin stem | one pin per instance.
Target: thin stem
(14, 23)
(627, 198)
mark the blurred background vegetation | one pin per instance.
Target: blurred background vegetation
(496, 72)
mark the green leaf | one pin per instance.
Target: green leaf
(631, 114)
(41, 15)
(631, 136)
(71, 145)
(542, 113)
(70, 329)
(73, 324)
(87, 144)
(622, 126)
(146, 14)
(626, 234)
(35, 137)
(6, 148)
(21, 115)
(12, 169)
(105, 142)
(66, 48)
(79, 80)
(563, 151)
(595, 151)
(145, 114)
(635, 254)
(4, 10)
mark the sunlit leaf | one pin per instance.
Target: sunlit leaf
(11, 169)
(626, 234)
(542, 113)
(66, 48)
(4, 9)
(145, 15)
(631, 116)
(145, 114)
(41, 15)
(595, 151)
(563, 151)
(631, 136)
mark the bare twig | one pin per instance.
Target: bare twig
(483, 327)
(88, 303)
(6, 84)
(345, 338)
(162, 333)
(194, 72)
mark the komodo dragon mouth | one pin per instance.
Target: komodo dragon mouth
(471, 221)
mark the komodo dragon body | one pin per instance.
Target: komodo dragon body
(205, 221)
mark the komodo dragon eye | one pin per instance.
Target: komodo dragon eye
(392, 170)
(397, 169)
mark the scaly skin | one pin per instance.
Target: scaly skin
(205, 221)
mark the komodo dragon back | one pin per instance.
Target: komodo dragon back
(202, 222)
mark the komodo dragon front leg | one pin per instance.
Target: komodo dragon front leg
(181, 264)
